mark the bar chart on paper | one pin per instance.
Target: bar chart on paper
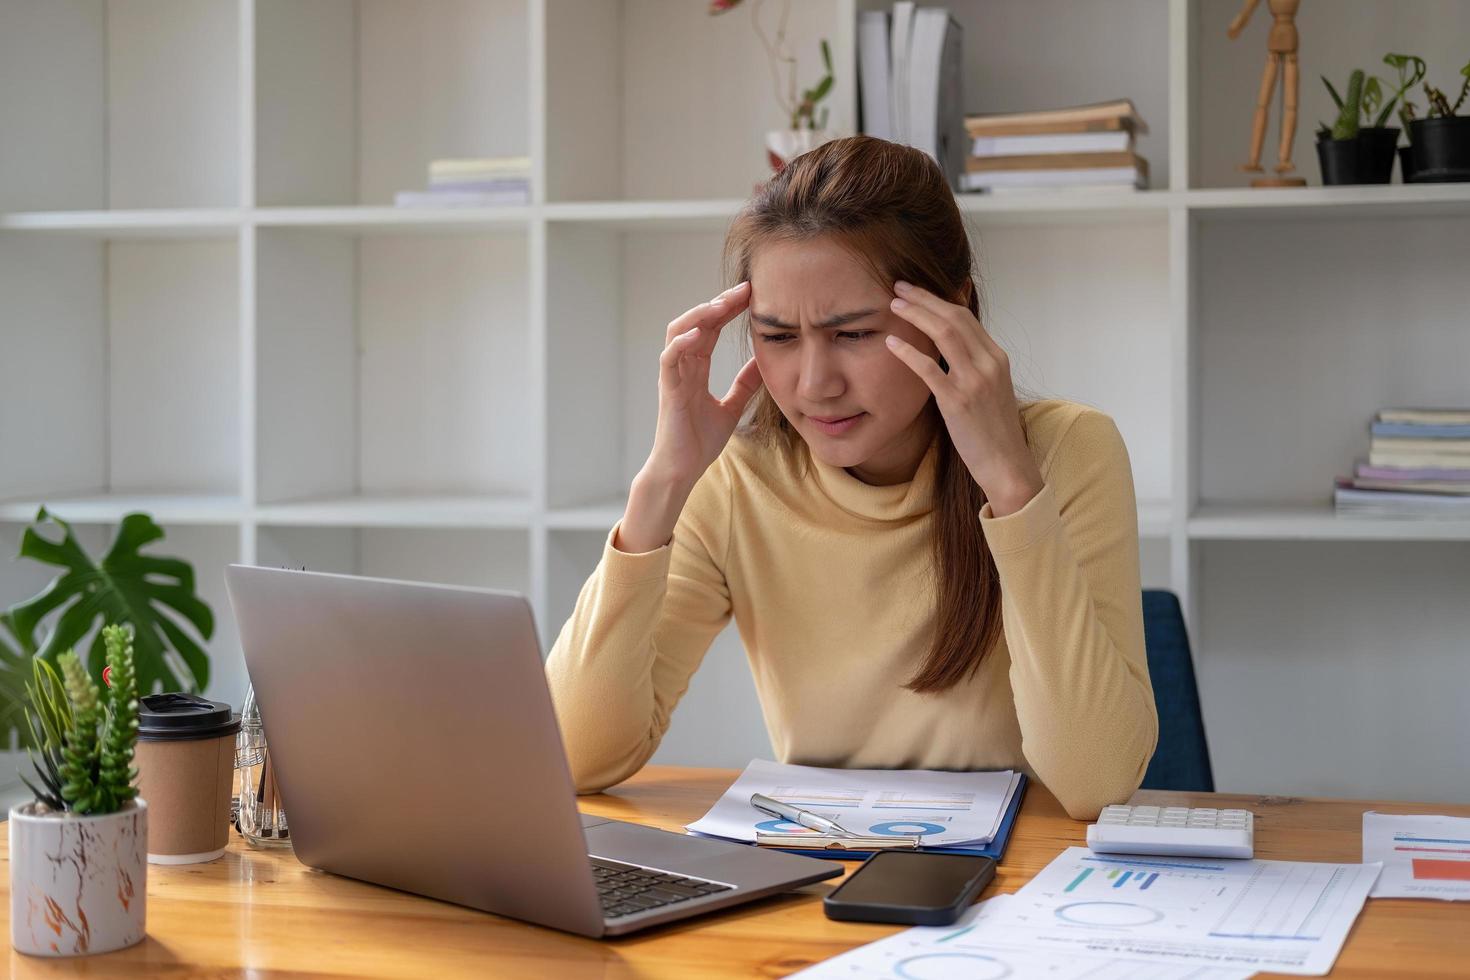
(1424, 856)
(1280, 915)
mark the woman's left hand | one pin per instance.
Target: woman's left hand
(976, 397)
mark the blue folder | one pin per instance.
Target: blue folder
(995, 849)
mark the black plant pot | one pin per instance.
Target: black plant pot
(1364, 159)
(1441, 148)
(1406, 164)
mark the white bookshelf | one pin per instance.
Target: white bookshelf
(221, 319)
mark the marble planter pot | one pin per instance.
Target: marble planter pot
(78, 884)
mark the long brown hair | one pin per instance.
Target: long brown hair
(890, 206)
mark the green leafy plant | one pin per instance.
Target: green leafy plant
(1410, 69)
(86, 747)
(1439, 104)
(801, 111)
(144, 591)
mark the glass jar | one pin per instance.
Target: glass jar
(261, 817)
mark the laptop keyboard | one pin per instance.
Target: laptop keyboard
(627, 888)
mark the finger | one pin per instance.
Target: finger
(956, 347)
(955, 312)
(920, 363)
(725, 307)
(744, 387)
(669, 371)
(717, 311)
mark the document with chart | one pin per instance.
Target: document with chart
(1423, 856)
(946, 809)
(1287, 916)
(974, 949)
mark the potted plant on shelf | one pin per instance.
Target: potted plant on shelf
(807, 129)
(1410, 69)
(79, 851)
(1351, 151)
(1439, 144)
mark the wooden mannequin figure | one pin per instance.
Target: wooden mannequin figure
(1281, 47)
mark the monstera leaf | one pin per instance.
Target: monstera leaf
(125, 587)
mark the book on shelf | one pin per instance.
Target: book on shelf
(1056, 161)
(459, 199)
(1440, 445)
(1133, 177)
(1368, 471)
(910, 89)
(481, 166)
(1055, 148)
(1386, 503)
(472, 182)
(1115, 114)
(1445, 461)
(1113, 141)
(1418, 465)
(1426, 416)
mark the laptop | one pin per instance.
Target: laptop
(416, 746)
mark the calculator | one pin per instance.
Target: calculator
(1173, 830)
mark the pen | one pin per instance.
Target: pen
(797, 815)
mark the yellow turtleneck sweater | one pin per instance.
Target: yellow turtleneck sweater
(829, 582)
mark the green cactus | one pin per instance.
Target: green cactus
(1346, 126)
(79, 756)
(120, 731)
(86, 745)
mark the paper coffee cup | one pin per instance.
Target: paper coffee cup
(186, 767)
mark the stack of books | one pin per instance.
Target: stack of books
(1077, 147)
(475, 182)
(1418, 466)
(910, 91)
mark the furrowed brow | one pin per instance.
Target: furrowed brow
(840, 320)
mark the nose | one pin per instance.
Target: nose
(821, 376)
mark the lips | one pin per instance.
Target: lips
(834, 418)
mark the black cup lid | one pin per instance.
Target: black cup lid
(178, 715)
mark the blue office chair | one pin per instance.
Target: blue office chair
(1182, 759)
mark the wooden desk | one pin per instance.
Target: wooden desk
(263, 912)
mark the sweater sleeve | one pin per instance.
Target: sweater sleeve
(1072, 609)
(640, 628)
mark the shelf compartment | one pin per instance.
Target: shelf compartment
(1225, 75)
(355, 97)
(392, 365)
(1300, 652)
(135, 374)
(1295, 357)
(616, 129)
(114, 128)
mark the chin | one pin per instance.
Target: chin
(835, 453)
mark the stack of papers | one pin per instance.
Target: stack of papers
(973, 948)
(1124, 916)
(1423, 856)
(942, 809)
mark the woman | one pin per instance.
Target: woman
(924, 574)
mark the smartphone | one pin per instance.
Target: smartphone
(918, 888)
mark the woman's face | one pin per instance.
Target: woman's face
(817, 323)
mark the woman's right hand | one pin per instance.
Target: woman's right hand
(694, 426)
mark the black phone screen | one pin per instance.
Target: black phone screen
(915, 879)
